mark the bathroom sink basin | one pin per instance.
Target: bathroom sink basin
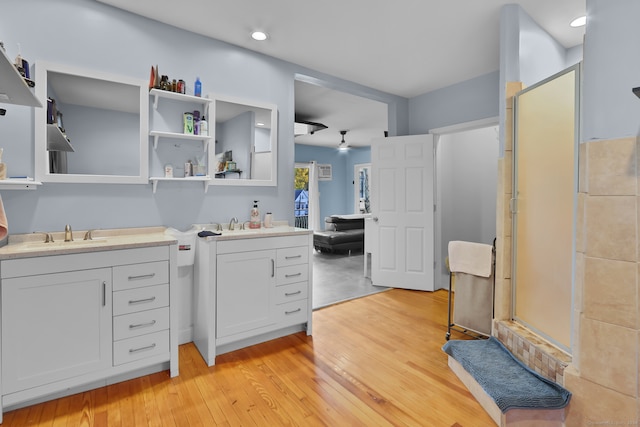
(58, 245)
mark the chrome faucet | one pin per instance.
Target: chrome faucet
(217, 225)
(48, 238)
(234, 220)
(88, 235)
(68, 234)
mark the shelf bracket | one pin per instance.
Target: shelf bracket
(155, 186)
(155, 101)
(155, 141)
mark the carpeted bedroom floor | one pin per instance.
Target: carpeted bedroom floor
(339, 277)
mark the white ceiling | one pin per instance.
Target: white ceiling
(403, 47)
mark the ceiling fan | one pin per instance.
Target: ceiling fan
(343, 145)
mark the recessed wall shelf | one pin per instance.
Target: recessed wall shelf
(13, 88)
(156, 134)
(204, 179)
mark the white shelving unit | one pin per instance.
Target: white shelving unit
(158, 135)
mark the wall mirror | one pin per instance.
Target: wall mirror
(93, 129)
(246, 139)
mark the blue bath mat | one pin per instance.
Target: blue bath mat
(508, 381)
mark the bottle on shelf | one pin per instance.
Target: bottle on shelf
(197, 88)
(204, 127)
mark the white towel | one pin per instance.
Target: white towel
(470, 258)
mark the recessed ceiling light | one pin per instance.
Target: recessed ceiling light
(259, 124)
(579, 22)
(259, 35)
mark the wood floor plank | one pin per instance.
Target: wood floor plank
(374, 361)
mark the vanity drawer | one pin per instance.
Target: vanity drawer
(144, 322)
(292, 274)
(141, 347)
(293, 292)
(139, 275)
(292, 313)
(292, 256)
(133, 300)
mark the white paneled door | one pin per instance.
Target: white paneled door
(402, 174)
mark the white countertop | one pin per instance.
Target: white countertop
(253, 233)
(32, 244)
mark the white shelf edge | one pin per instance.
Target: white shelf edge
(18, 184)
(156, 134)
(158, 93)
(204, 179)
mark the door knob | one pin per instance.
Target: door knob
(375, 219)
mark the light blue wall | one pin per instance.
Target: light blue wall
(466, 101)
(528, 54)
(540, 54)
(336, 196)
(611, 69)
(93, 36)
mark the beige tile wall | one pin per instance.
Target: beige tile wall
(603, 374)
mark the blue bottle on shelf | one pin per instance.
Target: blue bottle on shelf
(197, 88)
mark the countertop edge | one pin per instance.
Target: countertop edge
(118, 239)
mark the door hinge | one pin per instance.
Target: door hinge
(513, 205)
(434, 207)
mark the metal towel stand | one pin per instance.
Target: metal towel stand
(452, 326)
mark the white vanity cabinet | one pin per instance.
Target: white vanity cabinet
(245, 291)
(54, 327)
(250, 290)
(72, 322)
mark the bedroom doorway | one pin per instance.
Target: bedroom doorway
(466, 186)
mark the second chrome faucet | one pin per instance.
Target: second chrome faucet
(68, 234)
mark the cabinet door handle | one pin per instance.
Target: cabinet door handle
(273, 267)
(142, 325)
(142, 276)
(136, 350)
(104, 293)
(293, 311)
(292, 275)
(293, 257)
(290, 294)
(142, 301)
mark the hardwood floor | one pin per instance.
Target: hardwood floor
(374, 361)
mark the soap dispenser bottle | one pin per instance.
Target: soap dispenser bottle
(254, 221)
